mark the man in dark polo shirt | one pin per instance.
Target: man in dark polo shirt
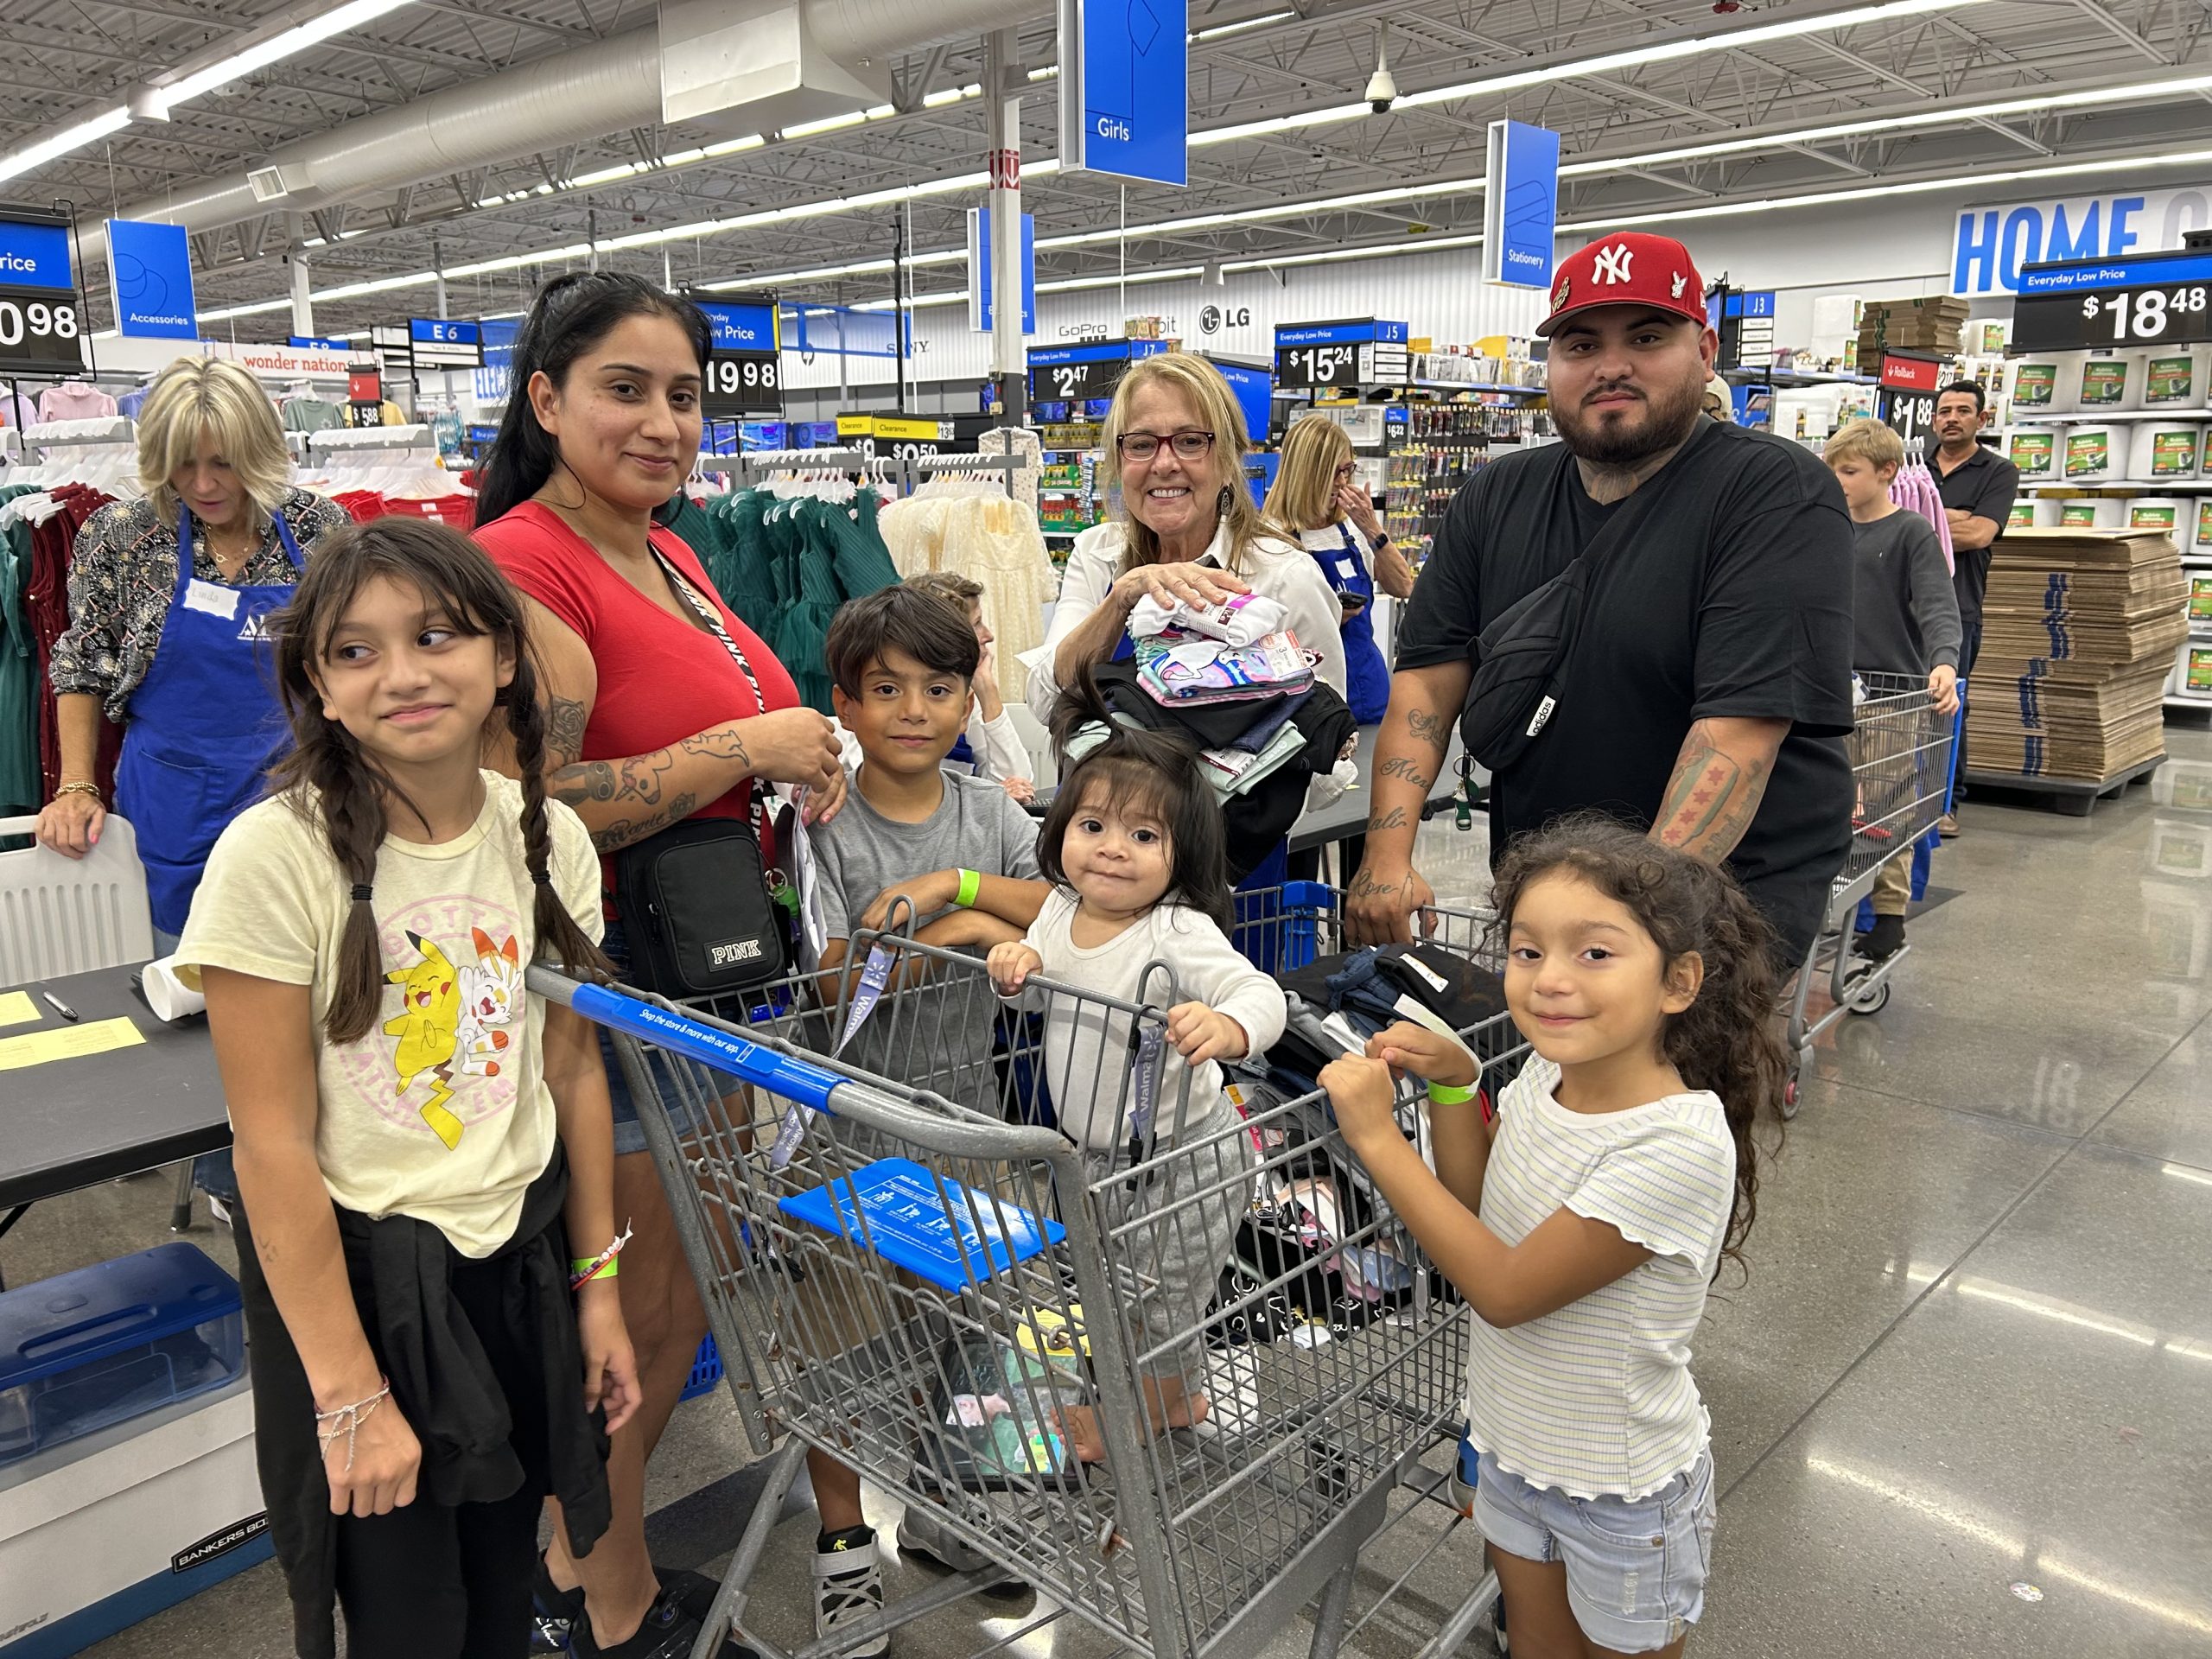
(1978, 486)
(1707, 690)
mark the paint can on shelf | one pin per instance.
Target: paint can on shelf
(2165, 451)
(2094, 451)
(2035, 451)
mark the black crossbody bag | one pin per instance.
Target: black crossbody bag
(1521, 658)
(697, 898)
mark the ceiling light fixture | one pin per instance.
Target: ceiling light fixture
(69, 138)
(314, 32)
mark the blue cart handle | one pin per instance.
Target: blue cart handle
(720, 1050)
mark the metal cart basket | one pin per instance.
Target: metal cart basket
(924, 1254)
(1901, 769)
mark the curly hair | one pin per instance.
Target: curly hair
(1724, 1041)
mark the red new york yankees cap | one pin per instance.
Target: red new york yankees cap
(1629, 268)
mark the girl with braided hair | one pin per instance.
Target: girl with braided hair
(425, 1153)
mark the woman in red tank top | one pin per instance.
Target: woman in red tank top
(650, 719)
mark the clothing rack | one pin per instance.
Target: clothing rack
(66, 435)
(754, 466)
(916, 468)
(371, 437)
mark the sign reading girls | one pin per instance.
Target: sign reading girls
(1990, 245)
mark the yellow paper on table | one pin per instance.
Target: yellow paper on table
(67, 1042)
(17, 1008)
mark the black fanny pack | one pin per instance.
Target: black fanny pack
(698, 902)
(1521, 658)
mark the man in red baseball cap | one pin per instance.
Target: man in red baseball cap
(1651, 617)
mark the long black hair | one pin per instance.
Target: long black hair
(1139, 770)
(1724, 1041)
(568, 316)
(331, 784)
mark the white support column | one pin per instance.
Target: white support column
(1003, 80)
(303, 302)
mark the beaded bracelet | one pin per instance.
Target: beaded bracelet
(583, 1269)
(347, 1421)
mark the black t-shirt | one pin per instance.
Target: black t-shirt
(1732, 599)
(1985, 485)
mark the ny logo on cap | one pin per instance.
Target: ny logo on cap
(1612, 264)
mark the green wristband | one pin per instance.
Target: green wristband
(1443, 1093)
(971, 885)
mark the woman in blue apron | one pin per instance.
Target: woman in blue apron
(170, 600)
(1188, 530)
(1317, 494)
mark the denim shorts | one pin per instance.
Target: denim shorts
(1636, 1567)
(629, 1134)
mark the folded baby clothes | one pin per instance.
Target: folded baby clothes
(1207, 671)
(1243, 620)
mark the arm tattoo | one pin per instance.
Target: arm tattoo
(1429, 727)
(720, 744)
(564, 732)
(1405, 767)
(626, 832)
(1394, 819)
(1710, 799)
(637, 779)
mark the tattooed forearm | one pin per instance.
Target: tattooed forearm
(1429, 727)
(1394, 819)
(1405, 767)
(626, 832)
(1713, 795)
(565, 720)
(637, 779)
(720, 744)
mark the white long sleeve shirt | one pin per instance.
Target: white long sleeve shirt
(1088, 1052)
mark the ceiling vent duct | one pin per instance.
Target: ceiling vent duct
(756, 66)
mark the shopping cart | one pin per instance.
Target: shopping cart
(1901, 769)
(935, 1282)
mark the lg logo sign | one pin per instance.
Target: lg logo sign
(1213, 319)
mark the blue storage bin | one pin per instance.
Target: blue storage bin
(706, 1369)
(86, 1348)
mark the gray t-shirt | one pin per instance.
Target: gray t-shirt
(935, 1035)
(1905, 615)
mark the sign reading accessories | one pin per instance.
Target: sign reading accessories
(41, 319)
(1362, 352)
(152, 267)
(744, 371)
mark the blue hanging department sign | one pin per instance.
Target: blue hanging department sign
(1520, 204)
(316, 343)
(980, 290)
(1125, 88)
(152, 266)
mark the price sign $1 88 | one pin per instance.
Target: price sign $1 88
(2146, 313)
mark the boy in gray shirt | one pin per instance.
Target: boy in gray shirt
(961, 855)
(1905, 615)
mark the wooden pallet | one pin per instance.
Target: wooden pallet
(2074, 797)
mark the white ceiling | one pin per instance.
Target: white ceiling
(66, 60)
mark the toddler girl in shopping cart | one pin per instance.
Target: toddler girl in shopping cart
(1133, 847)
(426, 1244)
(1584, 1221)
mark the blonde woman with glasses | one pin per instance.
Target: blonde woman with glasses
(1317, 492)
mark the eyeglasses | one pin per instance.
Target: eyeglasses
(1187, 446)
(1345, 473)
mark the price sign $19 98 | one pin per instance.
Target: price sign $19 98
(742, 383)
(41, 332)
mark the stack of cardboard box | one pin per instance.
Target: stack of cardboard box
(1928, 325)
(2079, 631)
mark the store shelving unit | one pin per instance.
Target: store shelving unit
(2140, 486)
(2131, 414)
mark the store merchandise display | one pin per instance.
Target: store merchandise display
(971, 525)
(2079, 633)
(1929, 326)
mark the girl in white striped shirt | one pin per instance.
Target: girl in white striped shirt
(1584, 1223)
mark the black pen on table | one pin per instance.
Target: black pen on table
(59, 1006)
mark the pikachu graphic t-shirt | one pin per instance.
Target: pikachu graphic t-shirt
(441, 1112)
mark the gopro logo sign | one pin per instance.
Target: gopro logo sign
(730, 955)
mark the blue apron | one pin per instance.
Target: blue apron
(1367, 677)
(204, 725)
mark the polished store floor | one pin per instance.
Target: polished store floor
(1963, 1406)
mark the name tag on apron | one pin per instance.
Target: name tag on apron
(1347, 569)
(210, 597)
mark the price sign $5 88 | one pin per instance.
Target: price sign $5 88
(2147, 314)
